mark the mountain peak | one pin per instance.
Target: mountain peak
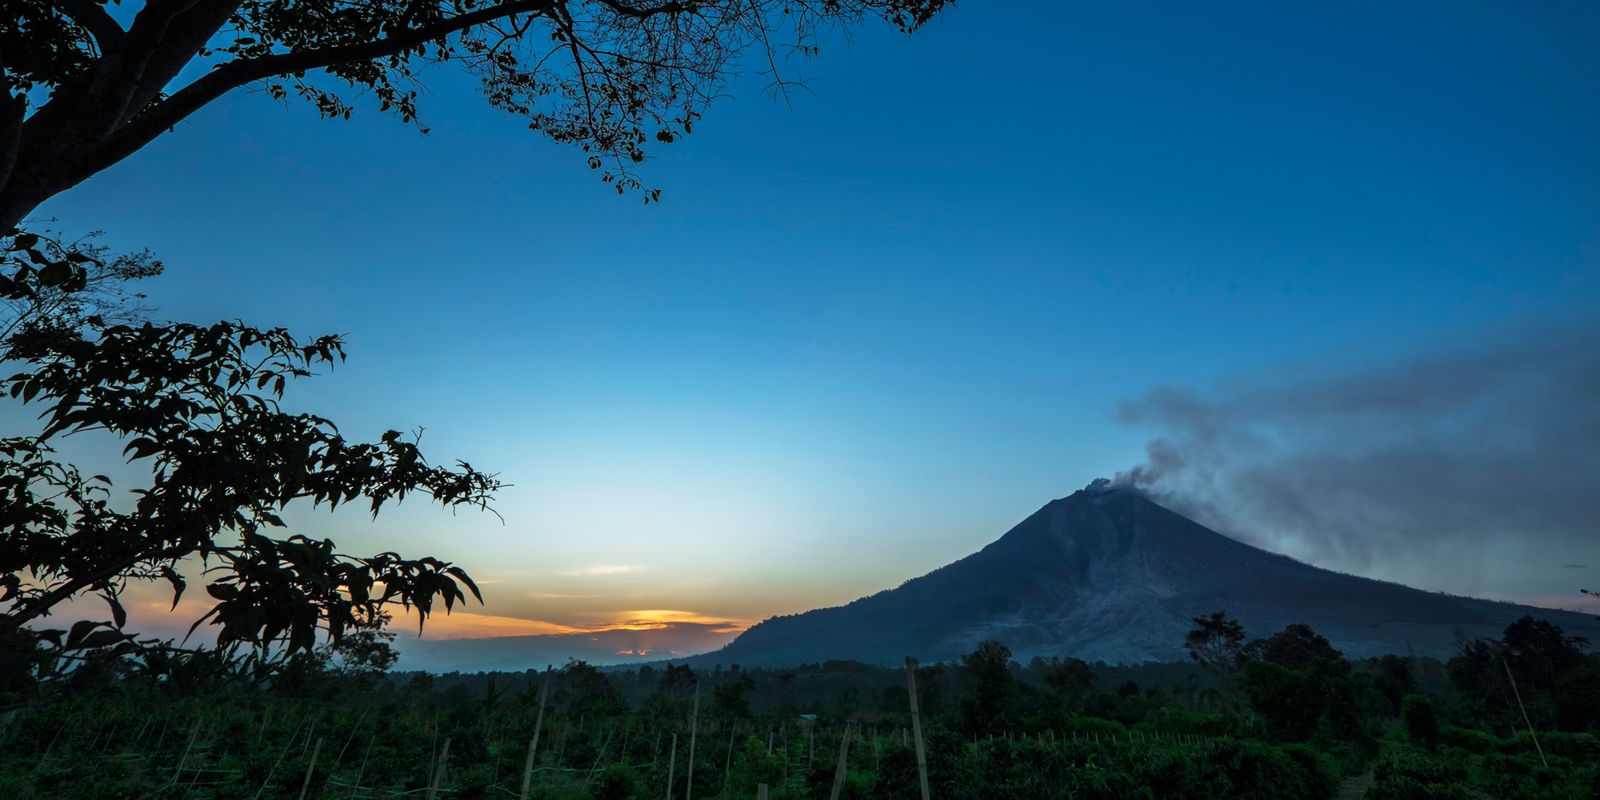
(1107, 573)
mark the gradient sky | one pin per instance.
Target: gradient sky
(866, 332)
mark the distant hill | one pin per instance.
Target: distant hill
(1111, 575)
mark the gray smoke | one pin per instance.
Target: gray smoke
(1445, 465)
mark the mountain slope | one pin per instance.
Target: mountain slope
(1114, 576)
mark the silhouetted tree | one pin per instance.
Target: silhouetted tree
(82, 88)
(993, 686)
(365, 653)
(1299, 647)
(1539, 653)
(1288, 700)
(1393, 679)
(1296, 678)
(1071, 677)
(587, 691)
(199, 405)
(1577, 697)
(677, 679)
(1536, 653)
(730, 697)
(1217, 643)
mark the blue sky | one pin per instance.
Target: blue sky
(866, 331)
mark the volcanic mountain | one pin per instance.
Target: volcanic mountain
(1108, 574)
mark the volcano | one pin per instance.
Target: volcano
(1111, 575)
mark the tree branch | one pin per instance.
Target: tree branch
(54, 597)
(92, 17)
(153, 121)
(12, 109)
(638, 12)
(187, 33)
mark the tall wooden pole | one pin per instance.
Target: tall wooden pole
(694, 727)
(438, 770)
(305, 786)
(727, 766)
(533, 744)
(1524, 711)
(916, 726)
(672, 764)
(839, 771)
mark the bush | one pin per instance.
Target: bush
(1422, 721)
(1468, 739)
(1416, 777)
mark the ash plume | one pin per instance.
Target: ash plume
(1436, 463)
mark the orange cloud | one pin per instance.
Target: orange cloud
(657, 618)
(150, 612)
(467, 625)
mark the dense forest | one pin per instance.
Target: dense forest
(1281, 716)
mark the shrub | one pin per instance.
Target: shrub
(1422, 722)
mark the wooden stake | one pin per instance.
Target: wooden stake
(1524, 711)
(181, 760)
(761, 791)
(281, 754)
(339, 759)
(838, 771)
(727, 766)
(694, 727)
(438, 769)
(916, 726)
(305, 786)
(533, 744)
(605, 739)
(362, 770)
(672, 764)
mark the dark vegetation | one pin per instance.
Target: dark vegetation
(199, 407)
(1281, 716)
(86, 83)
(292, 697)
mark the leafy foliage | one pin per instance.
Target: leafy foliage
(1422, 721)
(200, 405)
(1217, 643)
(610, 77)
(1538, 656)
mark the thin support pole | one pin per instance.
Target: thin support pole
(311, 769)
(694, 727)
(727, 766)
(839, 771)
(916, 726)
(1525, 720)
(438, 769)
(533, 744)
(672, 764)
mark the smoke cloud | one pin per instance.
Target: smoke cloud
(1475, 471)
